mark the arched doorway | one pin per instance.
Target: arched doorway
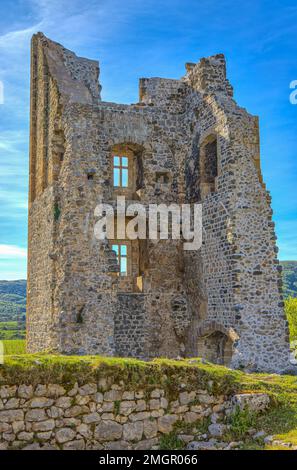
(216, 348)
(216, 342)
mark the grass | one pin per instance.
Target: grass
(45, 368)
(14, 346)
(241, 421)
(291, 313)
(11, 330)
(170, 442)
(280, 420)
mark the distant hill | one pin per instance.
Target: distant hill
(14, 287)
(289, 278)
(12, 300)
(13, 293)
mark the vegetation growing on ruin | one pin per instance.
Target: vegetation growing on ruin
(280, 420)
(291, 312)
(289, 278)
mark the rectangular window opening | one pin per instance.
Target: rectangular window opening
(121, 254)
(120, 171)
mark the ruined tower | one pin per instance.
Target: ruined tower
(186, 141)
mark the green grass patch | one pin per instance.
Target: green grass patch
(12, 330)
(136, 374)
(241, 421)
(291, 313)
(15, 346)
(171, 442)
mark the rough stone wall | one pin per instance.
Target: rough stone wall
(130, 326)
(96, 416)
(231, 286)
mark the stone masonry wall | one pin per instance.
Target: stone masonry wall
(188, 142)
(111, 416)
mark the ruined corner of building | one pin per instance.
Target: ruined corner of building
(184, 141)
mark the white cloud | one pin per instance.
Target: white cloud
(9, 40)
(12, 251)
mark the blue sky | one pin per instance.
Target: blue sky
(136, 38)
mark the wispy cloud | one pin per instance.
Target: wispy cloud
(12, 251)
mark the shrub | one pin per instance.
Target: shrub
(241, 421)
(291, 313)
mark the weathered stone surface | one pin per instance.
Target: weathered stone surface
(139, 416)
(179, 150)
(44, 425)
(25, 436)
(150, 428)
(18, 426)
(41, 402)
(12, 403)
(118, 445)
(88, 389)
(5, 427)
(185, 397)
(216, 429)
(34, 446)
(201, 445)
(113, 395)
(146, 444)
(165, 423)
(44, 435)
(108, 431)
(128, 395)
(84, 430)
(99, 397)
(9, 416)
(92, 426)
(7, 391)
(36, 415)
(191, 417)
(91, 418)
(64, 435)
(253, 401)
(55, 391)
(55, 412)
(25, 391)
(63, 402)
(127, 407)
(133, 431)
(79, 444)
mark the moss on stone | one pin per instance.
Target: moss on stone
(169, 374)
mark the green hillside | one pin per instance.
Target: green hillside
(14, 287)
(13, 300)
(289, 278)
(12, 309)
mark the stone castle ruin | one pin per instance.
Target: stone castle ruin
(185, 141)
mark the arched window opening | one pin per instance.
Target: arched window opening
(216, 348)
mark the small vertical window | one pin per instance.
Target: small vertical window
(120, 171)
(121, 254)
